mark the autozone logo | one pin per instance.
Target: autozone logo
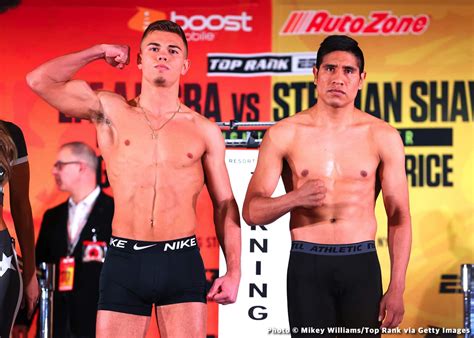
(214, 22)
(377, 23)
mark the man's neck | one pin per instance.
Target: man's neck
(338, 117)
(82, 192)
(159, 100)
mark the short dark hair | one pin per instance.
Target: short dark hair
(334, 43)
(166, 26)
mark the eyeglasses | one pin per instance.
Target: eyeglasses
(60, 164)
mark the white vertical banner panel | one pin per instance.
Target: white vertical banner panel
(261, 303)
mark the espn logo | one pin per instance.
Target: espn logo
(378, 23)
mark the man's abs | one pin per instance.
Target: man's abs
(164, 211)
(346, 216)
(154, 201)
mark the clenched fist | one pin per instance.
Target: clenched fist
(311, 194)
(117, 55)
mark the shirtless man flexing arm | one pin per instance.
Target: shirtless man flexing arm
(159, 154)
(334, 159)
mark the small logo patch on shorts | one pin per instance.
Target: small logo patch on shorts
(136, 247)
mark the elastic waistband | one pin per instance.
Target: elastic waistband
(333, 249)
(5, 238)
(131, 245)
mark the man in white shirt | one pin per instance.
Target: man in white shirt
(73, 236)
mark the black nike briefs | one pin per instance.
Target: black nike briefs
(138, 274)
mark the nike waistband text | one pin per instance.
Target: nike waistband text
(131, 245)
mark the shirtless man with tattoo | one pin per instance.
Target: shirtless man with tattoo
(159, 154)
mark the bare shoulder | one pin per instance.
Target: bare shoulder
(386, 138)
(281, 135)
(197, 119)
(380, 129)
(209, 130)
(284, 131)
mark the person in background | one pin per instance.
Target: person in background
(74, 236)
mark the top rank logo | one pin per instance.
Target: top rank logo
(378, 23)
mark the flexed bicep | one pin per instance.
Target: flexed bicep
(53, 80)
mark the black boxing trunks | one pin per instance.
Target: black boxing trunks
(333, 287)
(138, 274)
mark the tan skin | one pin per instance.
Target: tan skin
(20, 208)
(333, 160)
(169, 170)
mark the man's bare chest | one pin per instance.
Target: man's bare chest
(350, 156)
(177, 145)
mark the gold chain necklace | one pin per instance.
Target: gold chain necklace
(153, 130)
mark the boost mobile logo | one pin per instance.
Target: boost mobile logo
(197, 27)
(215, 22)
(378, 23)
